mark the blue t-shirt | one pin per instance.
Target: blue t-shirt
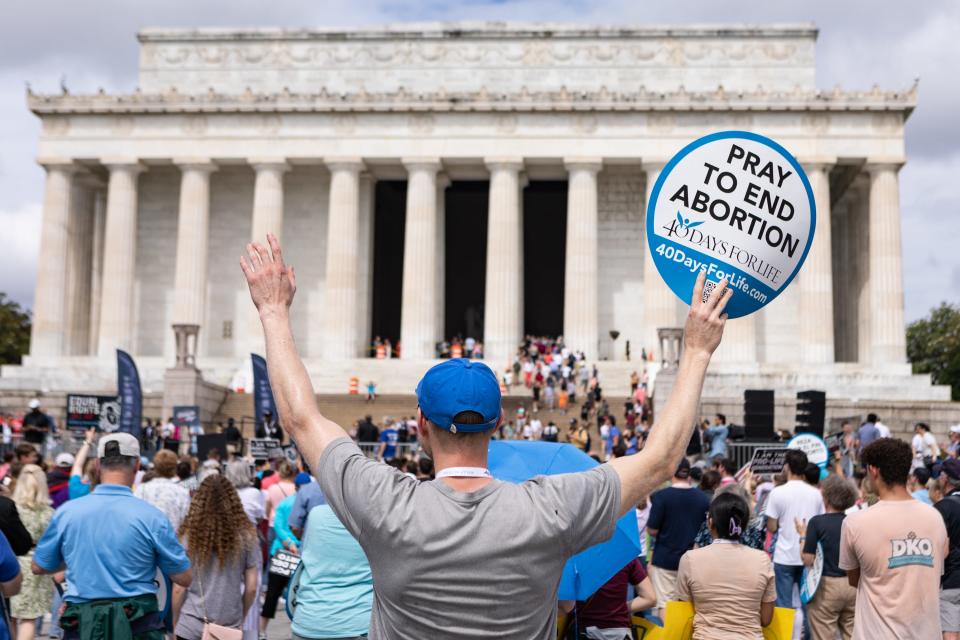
(308, 496)
(336, 586)
(612, 435)
(9, 568)
(112, 544)
(867, 433)
(718, 440)
(390, 437)
(77, 488)
(676, 514)
(281, 526)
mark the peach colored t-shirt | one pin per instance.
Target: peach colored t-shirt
(275, 495)
(726, 583)
(899, 547)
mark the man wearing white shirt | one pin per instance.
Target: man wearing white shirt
(788, 506)
(883, 429)
(924, 445)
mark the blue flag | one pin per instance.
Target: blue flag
(131, 396)
(262, 393)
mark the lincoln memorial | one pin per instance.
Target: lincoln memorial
(478, 179)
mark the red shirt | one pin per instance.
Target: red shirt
(607, 608)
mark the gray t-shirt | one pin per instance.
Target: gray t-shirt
(453, 565)
(222, 590)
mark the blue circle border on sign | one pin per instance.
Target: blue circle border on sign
(687, 296)
(822, 441)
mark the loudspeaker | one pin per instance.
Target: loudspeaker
(811, 412)
(758, 414)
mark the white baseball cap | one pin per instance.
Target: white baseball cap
(34, 404)
(955, 428)
(126, 445)
(64, 459)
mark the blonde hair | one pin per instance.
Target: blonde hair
(31, 491)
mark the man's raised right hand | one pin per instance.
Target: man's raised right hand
(272, 283)
(706, 320)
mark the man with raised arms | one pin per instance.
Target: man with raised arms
(467, 556)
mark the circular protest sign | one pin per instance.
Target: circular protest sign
(736, 205)
(811, 577)
(812, 445)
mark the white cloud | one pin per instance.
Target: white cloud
(18, 259)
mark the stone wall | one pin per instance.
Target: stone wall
(500, 56)
(621, 247)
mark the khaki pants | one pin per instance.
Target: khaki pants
(665, 584)
(831, 609)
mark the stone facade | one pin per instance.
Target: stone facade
(151, 196)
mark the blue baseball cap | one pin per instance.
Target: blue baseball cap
(458, 385)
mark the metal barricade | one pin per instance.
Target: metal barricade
(404, 449)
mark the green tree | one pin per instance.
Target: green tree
(14, 331)
(933, 346)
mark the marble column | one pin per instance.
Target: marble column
(267, 217)
(365, 261)
(859, 230)
(340, 321)
(887, 329)
(442, 183)
(580, 308)
(660, 305)
(419, 332)
(80, 264)
(50, 304)
(503, 305)
(816, 276)
(96, 266)
(193, 240)
(119, 258)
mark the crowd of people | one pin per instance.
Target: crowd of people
(402, 532)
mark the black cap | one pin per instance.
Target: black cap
(683, 469)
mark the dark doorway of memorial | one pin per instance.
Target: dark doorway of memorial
(389, 220)
(465, 259)
(544, 257)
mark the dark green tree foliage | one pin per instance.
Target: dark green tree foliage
(933, 346)
(14, 331)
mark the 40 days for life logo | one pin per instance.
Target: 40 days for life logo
(736, 205)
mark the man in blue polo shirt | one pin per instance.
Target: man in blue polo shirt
(112, 544)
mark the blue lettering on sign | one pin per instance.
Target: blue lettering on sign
(733, 218)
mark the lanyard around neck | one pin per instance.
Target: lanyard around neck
(464, 472)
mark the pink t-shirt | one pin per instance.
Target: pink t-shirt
(275, 495)
(899, 547)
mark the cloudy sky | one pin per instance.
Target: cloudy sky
(862, 42)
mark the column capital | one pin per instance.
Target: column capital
(817, 163)
(119, 163)
(653, 164)
(505, 163)
(66, 165)
(876, 165)
(443, 181)
(196, 164)
(591, 164)
(269, 164)
(345, 163)
(423, 164)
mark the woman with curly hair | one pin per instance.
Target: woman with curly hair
(36, 594)
(222, 545)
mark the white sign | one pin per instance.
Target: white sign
(736, 205)
(811, 577)
(812, 445)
